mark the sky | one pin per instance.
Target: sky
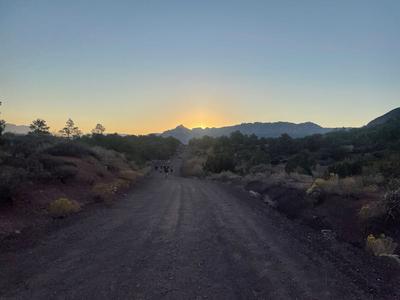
(146, 66)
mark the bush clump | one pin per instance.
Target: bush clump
(10, 178)
(71, 149)
(346, 168)
(64, 173)
(63, 207)
(106, 191)
(302, 163)
(193, 167)
(380, 246)
(348, 187)
(392, 205)
(220, 162)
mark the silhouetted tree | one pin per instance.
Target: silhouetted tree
(70, 130)
(2, 124)
(39, 126)
(99, 129)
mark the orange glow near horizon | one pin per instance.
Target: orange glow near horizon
(202, 118)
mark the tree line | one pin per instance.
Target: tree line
(136, 148)
(345, 152)
(70, 130)
(40, 127)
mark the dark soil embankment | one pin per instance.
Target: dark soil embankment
(336, 213)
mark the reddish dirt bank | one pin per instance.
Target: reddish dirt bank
(85, 180)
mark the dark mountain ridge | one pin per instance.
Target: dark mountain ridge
(275, 129)
(268, 129)
(393, 114)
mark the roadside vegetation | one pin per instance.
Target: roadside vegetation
(43, 174)
(347, 181)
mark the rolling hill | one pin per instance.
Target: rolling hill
(17, 129)
(393, 114)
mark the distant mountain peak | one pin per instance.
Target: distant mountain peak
(182, 127)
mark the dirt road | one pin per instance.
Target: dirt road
(178, 238)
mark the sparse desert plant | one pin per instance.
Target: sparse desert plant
(261, 168)
(346, 168)
(320, 186)
(63, 207)
(106, 191)
(372, 210)
(392, 205)
(113, 160)
(217, 163)
(225, 176)
(349, 186)
(380, 246)
(65, 172)
(302, 163)
(193, 167)
(10, 179)
(128, 175)
(372, 176)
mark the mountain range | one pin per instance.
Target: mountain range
(275, 129)
(17, 129)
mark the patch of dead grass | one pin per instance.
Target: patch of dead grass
(63, 207)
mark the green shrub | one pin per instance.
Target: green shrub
(302, 163)
(220, 162)
(65, 172)
(71, 149)
(137, 148)
(10, 179)
(346, 168)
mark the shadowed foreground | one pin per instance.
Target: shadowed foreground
(183, 238)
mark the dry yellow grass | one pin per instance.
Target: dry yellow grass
(380, 246)
(349, 186)
(371, 210)
(106, 191)
(63, 207)
(129, 175)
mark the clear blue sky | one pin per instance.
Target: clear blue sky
(145, 66)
